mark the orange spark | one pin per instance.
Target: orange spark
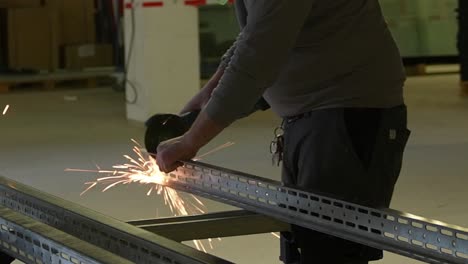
(225, 145)
(6, 109)
(143, 169)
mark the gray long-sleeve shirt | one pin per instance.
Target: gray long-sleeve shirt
(304, 55)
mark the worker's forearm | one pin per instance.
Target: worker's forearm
(203, 96)
(213, 82)
(257, 61)
(203, 130)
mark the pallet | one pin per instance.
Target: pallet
(428, 69)
(464, 89)
(416, 70)
(49, 81)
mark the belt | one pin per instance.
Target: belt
(291, 119)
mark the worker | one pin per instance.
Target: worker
(333, 72)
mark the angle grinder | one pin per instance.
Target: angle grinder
(162, 127)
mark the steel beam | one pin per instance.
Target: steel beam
(402, 233)
(31, 241)
(213, 225)
(122, 239)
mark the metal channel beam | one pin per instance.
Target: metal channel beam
(31, 241)
(405, 234)
(119, 238)
(213, 225)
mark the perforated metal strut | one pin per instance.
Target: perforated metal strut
(402, 233)
(35, 242)
(405, 234)
(83, 225)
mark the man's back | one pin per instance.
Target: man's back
(344, 56)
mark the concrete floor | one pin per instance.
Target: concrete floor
(45, 132)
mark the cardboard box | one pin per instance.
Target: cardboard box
(38, 35)
(21, 3)
(33, 37)
(77, 22)
(78, 57)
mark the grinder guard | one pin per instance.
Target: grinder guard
(161, 127)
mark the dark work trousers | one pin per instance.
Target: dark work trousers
(4, 258)
(352, 154)
(462, 41)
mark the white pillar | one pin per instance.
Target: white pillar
(164, 69)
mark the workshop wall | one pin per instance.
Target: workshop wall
(218, 30)
(422, 27)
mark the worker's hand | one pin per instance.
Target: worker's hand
(170, 152)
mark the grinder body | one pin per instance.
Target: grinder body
(162, 127)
